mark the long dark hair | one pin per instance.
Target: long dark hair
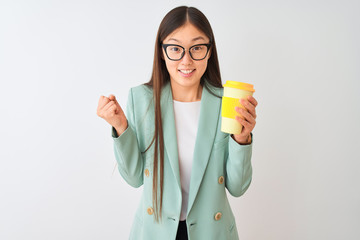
(160, 76)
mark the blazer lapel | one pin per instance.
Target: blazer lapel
(208, 121)
(169, 130)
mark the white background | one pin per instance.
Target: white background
(57, 161)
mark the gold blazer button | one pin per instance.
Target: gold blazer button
(221, 180)
(146, 172)
(218, 216)
(150, 211)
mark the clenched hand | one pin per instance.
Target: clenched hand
(110, 110)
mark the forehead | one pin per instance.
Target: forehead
(187, 33)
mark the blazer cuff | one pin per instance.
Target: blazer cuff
(236, 146)
(114, 134)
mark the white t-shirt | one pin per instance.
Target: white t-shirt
(186, 122)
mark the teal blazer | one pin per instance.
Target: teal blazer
(219, 162)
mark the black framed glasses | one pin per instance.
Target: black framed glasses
(176, 52)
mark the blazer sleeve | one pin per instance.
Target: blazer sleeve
(238, 167)
(126, 149)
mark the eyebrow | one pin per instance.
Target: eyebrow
(193, 40)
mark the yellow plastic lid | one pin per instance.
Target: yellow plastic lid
(240, 85)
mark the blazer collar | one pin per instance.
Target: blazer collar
(208, 121)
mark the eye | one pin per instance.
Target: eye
(197, 48)
(175, 49)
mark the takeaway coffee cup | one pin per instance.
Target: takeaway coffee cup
(233, 92)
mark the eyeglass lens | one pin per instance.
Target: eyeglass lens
(197, 52)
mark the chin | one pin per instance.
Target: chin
(187, 82)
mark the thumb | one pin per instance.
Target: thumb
(113, 98)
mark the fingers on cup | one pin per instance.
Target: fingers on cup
(247, 116)
(244, 123)
(252, 100)
(249, 106)
(240, 111)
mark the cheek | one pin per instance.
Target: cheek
(171, 66)
(203, 66)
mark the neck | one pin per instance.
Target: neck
(186, 94)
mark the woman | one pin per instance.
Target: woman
(170, 139)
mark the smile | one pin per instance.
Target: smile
(186, 71)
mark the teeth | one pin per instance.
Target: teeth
(186, 71)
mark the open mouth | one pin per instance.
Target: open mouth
(186, 72)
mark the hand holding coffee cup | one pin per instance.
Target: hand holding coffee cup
(238, 110)
(110, 110)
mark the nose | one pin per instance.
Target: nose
(186, 60)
